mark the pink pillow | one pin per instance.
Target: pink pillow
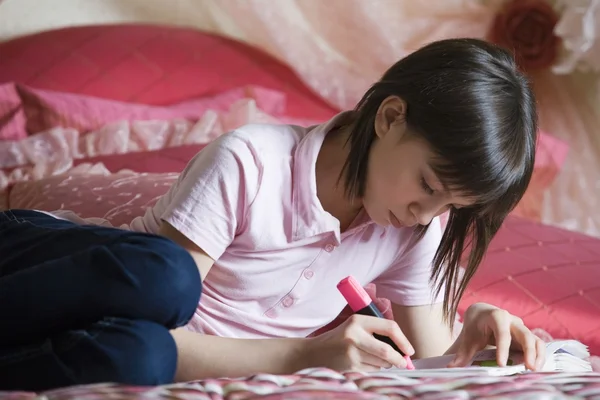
(118, 198)
(46, 109)
(12, 117)
(170, 159)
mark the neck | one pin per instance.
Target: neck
(330, 183)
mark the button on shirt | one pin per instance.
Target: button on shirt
(249, 200)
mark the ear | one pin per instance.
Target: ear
(391, 115)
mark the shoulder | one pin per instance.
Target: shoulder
(256, 146)
(265, 139)
(244, 153)
(254, 143)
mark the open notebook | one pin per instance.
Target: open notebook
(561, 355)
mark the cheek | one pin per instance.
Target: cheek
(395, 190)
(386, 179)
(443, 210)
(389, 181)
(376, 170)
(376, 187)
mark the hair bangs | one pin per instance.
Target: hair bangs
(491, 182)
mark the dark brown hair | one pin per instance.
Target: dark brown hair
(476, 110)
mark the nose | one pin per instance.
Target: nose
(425, 218)
(424, 215)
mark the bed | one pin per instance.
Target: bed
(100, 120)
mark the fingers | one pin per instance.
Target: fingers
(540, 347)
(385, 327)
(467, 350)
(508, 328)
(464, 355)
(501, 327)
(367, 343)
(533, 348)
(358, 360)
(527, 342)
(369, 361)
(484, 322)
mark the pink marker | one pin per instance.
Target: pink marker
(360, 302)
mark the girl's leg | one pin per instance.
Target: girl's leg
(83, 304)
(56, 276)
(134, 352)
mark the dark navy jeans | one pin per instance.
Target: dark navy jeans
(87, 304)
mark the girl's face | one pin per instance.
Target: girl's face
(402, 189)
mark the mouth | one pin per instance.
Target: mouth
(396, 223)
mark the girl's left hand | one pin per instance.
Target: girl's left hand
(486, 325)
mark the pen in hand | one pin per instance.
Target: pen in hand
(361, 303)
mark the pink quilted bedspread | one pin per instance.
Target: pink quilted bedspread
(326, 384)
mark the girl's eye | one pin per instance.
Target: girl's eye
(426, 187)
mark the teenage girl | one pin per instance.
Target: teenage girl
(267, 219)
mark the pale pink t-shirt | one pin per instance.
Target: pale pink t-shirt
(249, 200)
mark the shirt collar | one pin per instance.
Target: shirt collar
(309, 218)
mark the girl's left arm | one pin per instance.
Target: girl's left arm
(484, 325)
(425, 328)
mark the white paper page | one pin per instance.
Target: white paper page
(445, 372)
(443, 361)
(437, 366)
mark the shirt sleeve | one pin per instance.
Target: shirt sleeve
(209, 202)
(407, 281)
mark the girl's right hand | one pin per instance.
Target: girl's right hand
(351, 346)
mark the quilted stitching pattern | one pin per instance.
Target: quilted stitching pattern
(548, 276)
(149, 65)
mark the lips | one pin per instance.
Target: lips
(396, 223)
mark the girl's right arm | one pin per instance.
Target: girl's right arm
(349, 346)
(204, 356)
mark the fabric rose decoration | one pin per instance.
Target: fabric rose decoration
(527, 28)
